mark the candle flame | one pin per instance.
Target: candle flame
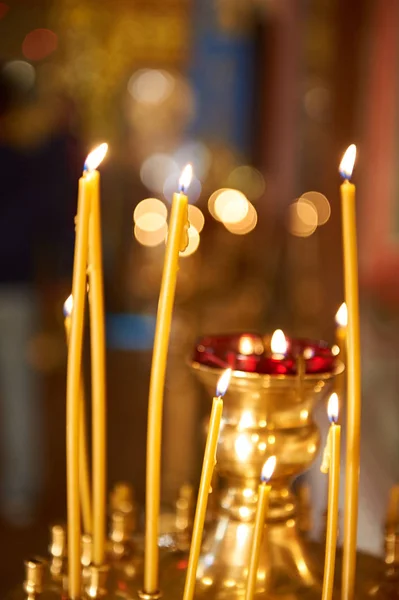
(348, 162)
(268, 469)
(95, 157)
(68, 306)
(333, 408)
(185, 178)
(278, 342)
(341, 318)
(223, 383)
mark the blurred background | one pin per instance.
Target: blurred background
(262, 97)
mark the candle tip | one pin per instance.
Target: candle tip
(333, 408)
(223, 383)
(278, 342)
(268, 469)
(348, 162)
(68, 306)
(341, 318)
(185, 178)
(95, 157)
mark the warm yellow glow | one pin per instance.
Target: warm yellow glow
(335, 350)
(247, 420)
(268, 468)
(245, 345)
(68, 306)
(151, 238)
(231, 206)
(348, 162)
(150, 214)
(244, 512)
(212, 201)
(262, 446)
(278, 342)
(193, 242)
(341, 318)
(96, 157)
(321, 205)
(223, 383)
(185, 178)
(242, 447)
(207, 580)
(248, 493)
(302, 218)
(246, 225)
(333, 408)
(196, 217)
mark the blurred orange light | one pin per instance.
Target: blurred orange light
(39, 43)
(302, 221)
(196, 217)
(246, 225)
(150, 238)
(150, 215)
(231, 206)
(321, 205)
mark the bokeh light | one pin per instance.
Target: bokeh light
(193, 242)
(321, 205)
(21, 73)
(196, 217)
(4, 8)
(248, 180)
(302, 218)
(231, 206)
(151, 238)
(171, 186)
(195, 153)
(156, 169)
(151, 86)
(150, 215)
(246, 225)
(39, 44)
(212, 201)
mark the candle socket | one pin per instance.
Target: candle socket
(263, 415)
(34, 576)
(96, 585)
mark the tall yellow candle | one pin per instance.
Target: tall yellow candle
(97, 343)
(176, 241)
(353, 375)
(259, 525)
(341, 320)
(205, 484)
(333, 467)
(73, 388)
(392, 516)
(84, 478)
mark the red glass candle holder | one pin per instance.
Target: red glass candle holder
(251, 353)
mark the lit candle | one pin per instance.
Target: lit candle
(341, 320)
(205, 484)
(353, 374)
(84, 478)
(177, 240)
(331, 464)
(259, 526)
(97, 344)
(278, 345)
(73, 387)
